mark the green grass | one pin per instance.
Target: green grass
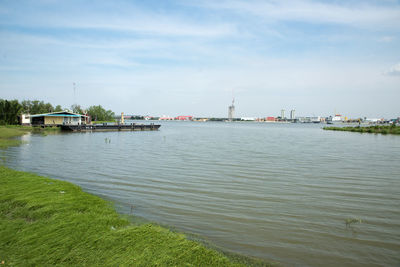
(379, 129)
(48, 222)
(8, 134)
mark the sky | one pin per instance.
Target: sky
(178, 57)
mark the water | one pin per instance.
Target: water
(280, 192)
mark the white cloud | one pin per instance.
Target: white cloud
(394, 71)
(151, 26)
(386, 39)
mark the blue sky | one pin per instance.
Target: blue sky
(187, 57)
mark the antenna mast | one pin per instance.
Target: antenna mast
(74, 92)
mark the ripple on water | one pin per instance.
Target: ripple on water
(280, 192)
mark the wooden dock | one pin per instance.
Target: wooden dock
(110, 127)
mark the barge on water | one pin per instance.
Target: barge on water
(110, 127)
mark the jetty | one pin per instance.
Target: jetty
(110, 127)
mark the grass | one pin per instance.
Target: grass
(378, 129)
(51, 222)
(8, 134)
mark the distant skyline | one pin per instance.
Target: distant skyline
(178, 57)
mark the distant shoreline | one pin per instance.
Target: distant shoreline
(368, 129)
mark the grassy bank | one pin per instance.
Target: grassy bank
(46, 222)
(369, 129)
(8, 134)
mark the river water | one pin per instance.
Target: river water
(281, 192)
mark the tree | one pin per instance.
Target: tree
(9, 111)
(36, 107)
(58, 108)
(137, 118)
(77, 109)
(98, 113)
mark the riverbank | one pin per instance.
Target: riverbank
(9, 132)
(369, 129)
(47, 222)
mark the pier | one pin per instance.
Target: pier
(110, 127)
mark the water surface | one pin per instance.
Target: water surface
(275, 191)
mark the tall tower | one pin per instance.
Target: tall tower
(231, 110)
(292, 117)
(282, 114)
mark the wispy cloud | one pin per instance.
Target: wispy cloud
(130, 20)
(386, 39)
(363, 15)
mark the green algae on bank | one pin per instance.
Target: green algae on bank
(381, 129)
(47, 222)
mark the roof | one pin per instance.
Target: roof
(58, 114)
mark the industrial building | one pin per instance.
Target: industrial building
(231, 110)
(184, 118)
(292, 116)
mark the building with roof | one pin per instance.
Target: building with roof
(57, 119)
(184, 118)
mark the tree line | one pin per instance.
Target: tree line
(10, 110)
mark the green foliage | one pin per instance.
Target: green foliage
(36, 107)
(9, 111)
(137, 118)
(381, 129)
(77, 109)
(58, 108)
(98, 113)
(45, 222)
